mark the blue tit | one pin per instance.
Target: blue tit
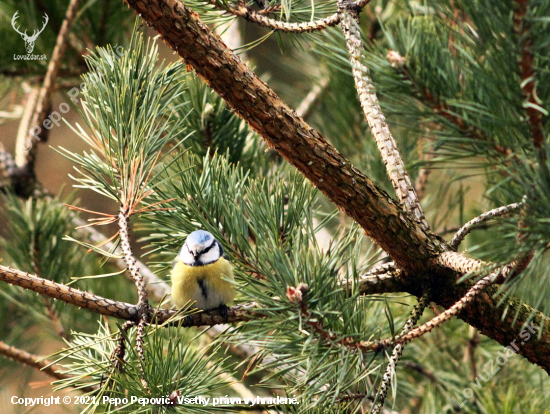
(201, 274)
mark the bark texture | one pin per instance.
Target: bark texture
(413, 249)
(383, 220)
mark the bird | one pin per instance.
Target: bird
(202, 274)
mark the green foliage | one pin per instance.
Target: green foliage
(101, 23)
(211, 122)
(172, 364)
(35, 242)
(132, 117)
(165, 146)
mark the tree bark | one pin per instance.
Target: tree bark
(413, 249)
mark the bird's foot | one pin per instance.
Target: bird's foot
(224, 310)
(189, 320)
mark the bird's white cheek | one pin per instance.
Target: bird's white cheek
(210, 256)
(186, 257)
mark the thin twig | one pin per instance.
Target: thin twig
(44, 99)
(37, 362)
(143, 303)
(131, 262)
(7, 166)
(307, 103)
(468, 227)
(387, 146)
(416, 313)
(259, 18)
(117, 357)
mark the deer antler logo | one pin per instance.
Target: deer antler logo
(29, 40)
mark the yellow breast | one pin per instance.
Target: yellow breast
(204, 285)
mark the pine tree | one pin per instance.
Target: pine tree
(361, 283)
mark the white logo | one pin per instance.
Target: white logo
(29, 40)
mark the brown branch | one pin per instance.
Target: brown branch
(68, 294)
(527, 74)
(440, 107)
(290, 135)
(48, 304)
(37, 362)
(123, 310)
(411, 248)
(379, 128)
(44, 100)
(259, 17)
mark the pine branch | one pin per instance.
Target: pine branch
(294, 139)
(462, 264)
(468, 227)
(416, 313)
(380, 130)
(527, 73)
(308, 102)
(44, 100)
(37, 362)
(68, 294)
(259, 18)
(347, 187)
(440, 107)
(127, 311)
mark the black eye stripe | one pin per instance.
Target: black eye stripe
(208, 248)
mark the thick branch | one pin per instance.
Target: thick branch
(397, 233)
